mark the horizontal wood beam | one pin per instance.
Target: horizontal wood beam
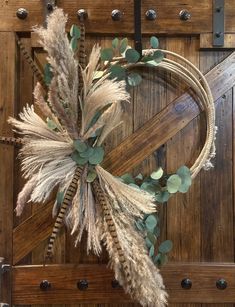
(206, 41)
(133, 150)
(64, 279)
(99, 16)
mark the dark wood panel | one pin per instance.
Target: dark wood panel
(64, 279)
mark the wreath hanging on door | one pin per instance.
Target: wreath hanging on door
(63, 149)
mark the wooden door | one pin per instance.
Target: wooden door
(200, 223)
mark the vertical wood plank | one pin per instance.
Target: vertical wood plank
(7, 107)
(183, 210)
(217, 184)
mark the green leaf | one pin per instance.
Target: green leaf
(140, 225)
(157, 259)
(59, 197)
(123, 45)
(157, 174)
(97, 156)
(185, 175)
(148, 242)
(165, 247)
(117, 72)
(152, 238)
(132, 56)
(87, 153)
(162, 196)
(154, 42)
(98, 74)
(74, 44)
(127, 178)
(139, 177)
(115, 42)
(134, 186)
(173, 183)
(75, 32)
(148, 187)
(51, 124)
(48, 75)
(158, 56)
(151, 251)
(78, 159)
(151, 222)
(106, 54)
(91, 176)
(163, 259)
(134, 79)
(79, 146)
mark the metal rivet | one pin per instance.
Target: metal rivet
(184, 15)
(22, 13)
(151, 14)
(115, 284)
(82, 14)
(218, 9)
(218, 34)
(82, 284)
(50, 7)
(186, 284)
(116, 15)
(221, 284)
(45, 285)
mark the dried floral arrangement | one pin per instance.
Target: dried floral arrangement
(63, 150)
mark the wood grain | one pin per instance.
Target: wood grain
(206, 41)
(7, 107)
(64, 279)
(99, 20)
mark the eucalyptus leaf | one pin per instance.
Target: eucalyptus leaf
(80, 146)
(87, 153)
(123, 45)
(117, 72)
(127, 178)
(151, 251)
(132, 56)
(51, 124)
(139, 177)
(173, 183)
(185, 175)
(154, 42)
(48, 75)
(134, 79)
(140, 225)
(148, 187)
(158, 56)
(151, 222)
(162, 196)
(106, 54)
(59, 197)
(115, 42)
(75, 32)
(148, 243)
(78, 159)
(165, 247)
(74, 44)
(157, 174)
(134, 186)
(152, 238)
(157, 259)
(163, 259)
(91, 176)
(97, 156)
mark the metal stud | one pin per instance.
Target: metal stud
(82, 14)
(184, 15)
(221, 284)
(151, 14)
(186, 284)
(50, 7)
(45, 285)
(116, 15)
(115, 284)
(22, 13)
(82, 284)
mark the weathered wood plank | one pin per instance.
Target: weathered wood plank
(155, 132)
(64, 279)
(206, 40)
(99, 20)
(7, 107)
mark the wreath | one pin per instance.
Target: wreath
(63, 150)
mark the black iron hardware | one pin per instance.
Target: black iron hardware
(221, 284)
(116, 15)
(115, 284)
(186, 284)
(151, 14)
(137, 21)
(184, 15)
(3, 269)
(45, 285)
(218, 23)
(82, 284)
(22, 13)
(82, 14)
